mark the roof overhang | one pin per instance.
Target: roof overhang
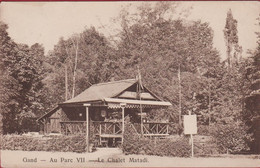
(48, 113)
(115, 103)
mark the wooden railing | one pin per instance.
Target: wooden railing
(153, 128)
(113, 128)
(100, 127)
(107, 127)
(73, 127)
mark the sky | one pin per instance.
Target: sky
(46, 22)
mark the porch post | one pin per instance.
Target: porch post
(44, 126)
(87, 126)
(142, 124)
(123, 120)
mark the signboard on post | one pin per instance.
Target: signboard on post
(190, 127)
(190, 124)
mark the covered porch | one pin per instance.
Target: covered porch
(101, 111)
(106, 121)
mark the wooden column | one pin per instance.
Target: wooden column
(44, 126)
(192, 145)
(87, 126)
(142, 124)
(123, 120)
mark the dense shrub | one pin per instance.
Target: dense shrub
(177, 146)
(205, 146)
(231, 137)
(134, 144)
(56, 143)
(203, 130)
(161, 147)
(175, 128)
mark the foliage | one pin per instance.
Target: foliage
(252, 115)
(21, 75)
(230, 88)
(231, 39)
(203, 130)
(8, 84)
(94, 64)
(231, 137)
(151, 39)
(134, 144)
(176, 146)
(56, 143)
(205, 145)
(158, 45)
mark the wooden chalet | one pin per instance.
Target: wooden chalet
(103, 108)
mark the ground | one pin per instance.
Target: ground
(113, 157)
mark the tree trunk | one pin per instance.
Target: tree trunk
(75, 67)
(66, 83)
(179, 77)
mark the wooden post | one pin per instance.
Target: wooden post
(192, 146)
(87, 126)
(142, 124)
(191, 138)
(123, 120)
(100, 130)
(139, 93)
(44, 126)
(114, 128)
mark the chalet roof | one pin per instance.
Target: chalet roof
(49, 113)
(108, 92)
(102, 90)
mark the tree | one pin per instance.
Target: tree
(89, 59)
(158, 44)
(231, 38)
(8, 85)
(21, 76)
(230, 94)
(252, 115)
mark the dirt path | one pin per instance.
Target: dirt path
(112, 157)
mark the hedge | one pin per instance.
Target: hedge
(164, 147)
(176, 146)
(134, 144)
(56, 143)
(231, 137)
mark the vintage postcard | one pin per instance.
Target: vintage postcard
(130, 84)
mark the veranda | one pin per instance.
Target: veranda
(101, 111)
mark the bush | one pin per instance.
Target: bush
(231, 137)
(134, 144)
(176, 146)
(175, 128)
(160, 147)
(205, 146)
(76, 143)
(204, 130)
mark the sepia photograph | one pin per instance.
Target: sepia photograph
(130, 84)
